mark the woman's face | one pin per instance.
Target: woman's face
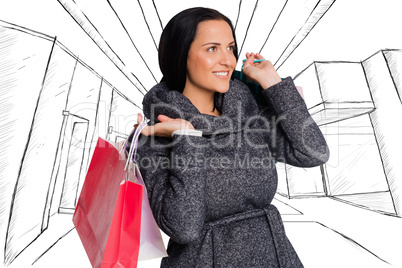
(211, 61)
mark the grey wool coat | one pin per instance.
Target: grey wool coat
(212, 194)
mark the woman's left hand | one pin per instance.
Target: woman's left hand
(262, 72)
(166, 126)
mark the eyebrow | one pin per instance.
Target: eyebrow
(217, 44)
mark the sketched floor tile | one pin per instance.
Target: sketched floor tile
(67, 252)
(381, 201)
(284, 208)
(328, 248)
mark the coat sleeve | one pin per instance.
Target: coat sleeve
(176, 183)
(294, 137)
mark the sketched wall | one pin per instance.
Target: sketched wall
(383, 77)
(19, 91)
(50, 103)
(50, 17)
(123, 114)
(334, 54)
(78, 125)
(348, 112)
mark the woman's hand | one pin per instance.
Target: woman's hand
(165, 128)
(262, 73)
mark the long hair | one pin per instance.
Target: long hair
(176, 40)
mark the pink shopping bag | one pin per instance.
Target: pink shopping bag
(112, 217)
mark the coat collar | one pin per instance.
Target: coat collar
(236, 105)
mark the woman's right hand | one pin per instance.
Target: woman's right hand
(166, 126)
(262, 73)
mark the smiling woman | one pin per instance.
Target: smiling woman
(210, 64)
(177, 38)
(213, 197)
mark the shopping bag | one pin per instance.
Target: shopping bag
(108, 214)
(151, 243)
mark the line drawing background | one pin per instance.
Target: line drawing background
(73, 71)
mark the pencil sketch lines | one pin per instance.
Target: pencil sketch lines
(131, 40)
(74, 166)
(12, 26)
(58, 240)
(238, 14)
(385, 95)
(248, 26)
(339, 238)
(146, 22)
(157, 13)
(394, 65)
(54, 106)
(353, 115)
(273, 25)
(354, 243)
(87, 26)
(20, 228)
(318, 12)
(54, 146)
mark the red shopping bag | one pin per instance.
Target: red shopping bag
(108, 212)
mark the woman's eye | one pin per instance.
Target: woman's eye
(231, 48)
(212, 49)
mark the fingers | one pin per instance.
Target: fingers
(152, 130)
(254, 56)
(259, 57)
(163, 118)
(260, 70)
(146, 131)
(139, 120)
(251, 57)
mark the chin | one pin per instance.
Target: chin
(222, 88)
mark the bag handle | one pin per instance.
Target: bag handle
(134, 143)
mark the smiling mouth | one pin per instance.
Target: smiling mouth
(221, 74)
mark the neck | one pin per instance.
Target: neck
(203, 100)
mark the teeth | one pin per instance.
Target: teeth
(222, 73)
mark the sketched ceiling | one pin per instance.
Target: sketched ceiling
(128, 31)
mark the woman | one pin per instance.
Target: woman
(208, 154)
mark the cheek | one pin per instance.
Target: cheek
(192, 66)
(206, 63)
(196, 63)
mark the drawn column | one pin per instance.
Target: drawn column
(383, 75)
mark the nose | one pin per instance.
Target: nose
(226, 58)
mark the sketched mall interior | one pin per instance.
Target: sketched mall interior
(73, 71)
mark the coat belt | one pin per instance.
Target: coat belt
(275, 226)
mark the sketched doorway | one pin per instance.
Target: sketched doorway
(69, 167)
(74, 167)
